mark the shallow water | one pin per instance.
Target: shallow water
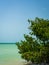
(9, 54)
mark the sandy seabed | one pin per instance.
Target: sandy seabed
(12, 63)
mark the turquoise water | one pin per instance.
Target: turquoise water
(9, 52)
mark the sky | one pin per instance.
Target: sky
(14, 15)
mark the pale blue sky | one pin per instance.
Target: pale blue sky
(14, 15)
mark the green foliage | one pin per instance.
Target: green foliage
(40, 28)
(36, 49)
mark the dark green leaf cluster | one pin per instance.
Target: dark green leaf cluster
(36, 49)
(40, 28)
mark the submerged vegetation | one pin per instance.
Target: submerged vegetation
(35, 47)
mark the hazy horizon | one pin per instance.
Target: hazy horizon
(14, 15)
(7, 43)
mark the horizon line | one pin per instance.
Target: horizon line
(8, 43)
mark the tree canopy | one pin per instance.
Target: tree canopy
(36, 49)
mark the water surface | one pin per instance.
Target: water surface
(9, 54)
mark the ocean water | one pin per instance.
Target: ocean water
(9, 54)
